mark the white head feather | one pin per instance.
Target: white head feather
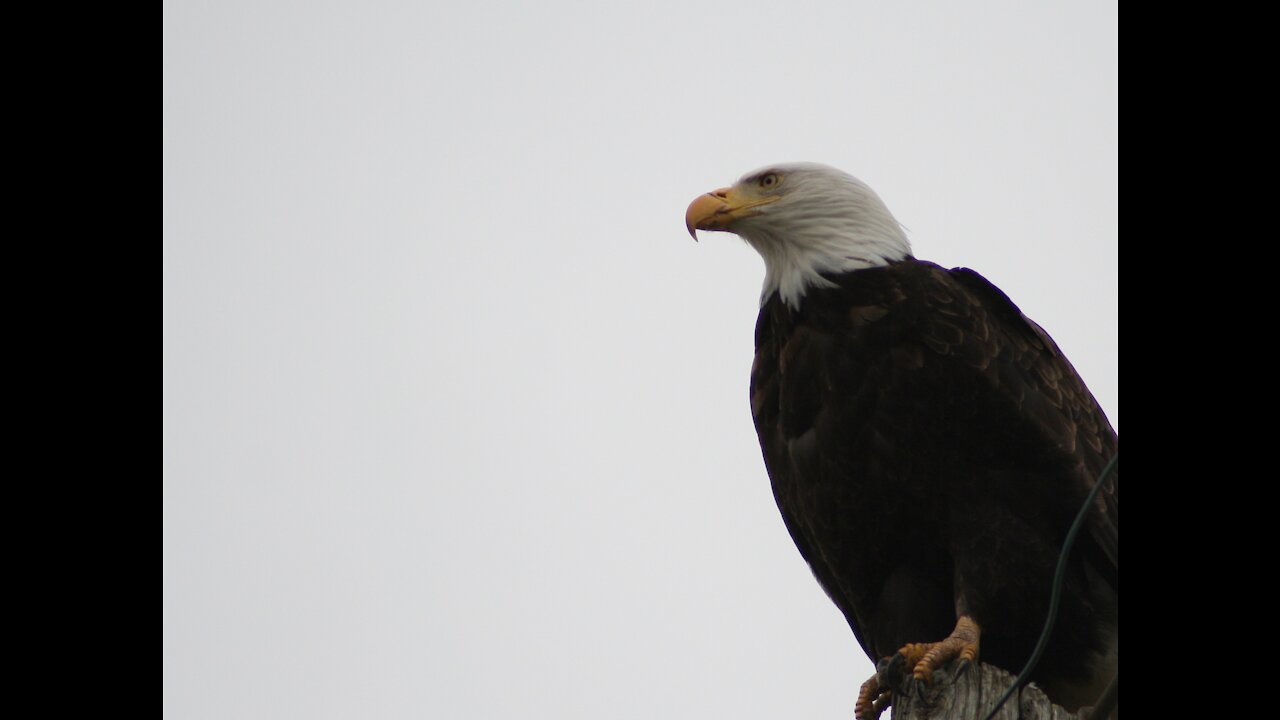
(825, 221)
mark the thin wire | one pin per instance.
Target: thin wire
(1057, 591)
(1106, 702)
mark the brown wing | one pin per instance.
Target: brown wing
(1050, 393)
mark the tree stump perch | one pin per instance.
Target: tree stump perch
(969, 693)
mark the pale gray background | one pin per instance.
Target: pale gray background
(455, 413)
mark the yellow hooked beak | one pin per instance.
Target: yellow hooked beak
(717, 209)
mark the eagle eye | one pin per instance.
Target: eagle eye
(769, 180)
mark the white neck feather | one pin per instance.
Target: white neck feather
(827, 222)
(792, 267)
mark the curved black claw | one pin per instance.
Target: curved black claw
(877, 692)
(892, 670)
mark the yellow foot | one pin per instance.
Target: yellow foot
(873, 698)
(961, 643)
(922, 659)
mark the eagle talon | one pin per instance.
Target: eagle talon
(876, 693)
(873, 698)
(892, 667)
(882, 702)
(962, 643)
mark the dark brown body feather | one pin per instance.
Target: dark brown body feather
(929, 448)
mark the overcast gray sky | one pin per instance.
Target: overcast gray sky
(455, 412)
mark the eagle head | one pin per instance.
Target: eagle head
(807, 221)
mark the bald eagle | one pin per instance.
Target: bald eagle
(928, 445)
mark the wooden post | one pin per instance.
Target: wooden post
(969, 694)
